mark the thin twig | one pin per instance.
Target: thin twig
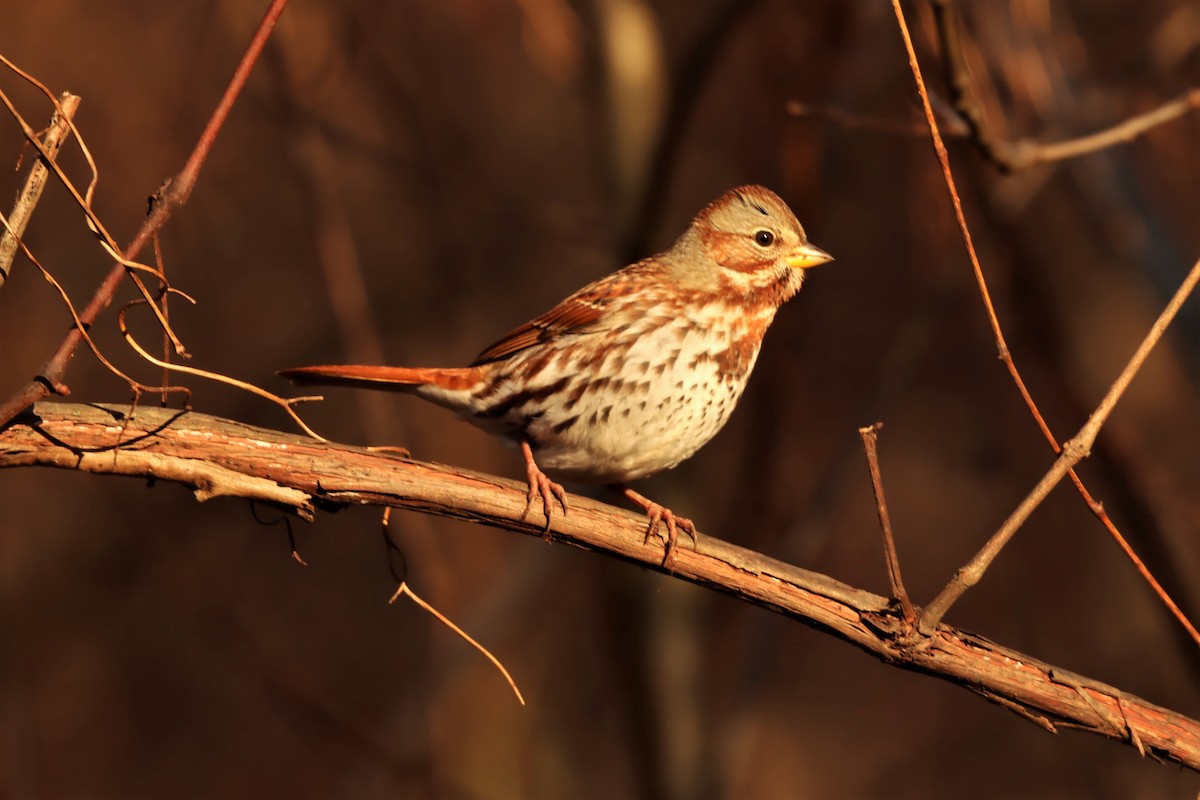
(93, 221)
(31, 193)
(180, 188)
(405, 590)
(939, 147)
(870, 437)
(1014, 156)
(1026, 153)
(160, 263)
(393, 548)
(1073, 452)
(1002, 346)
(217, 377)
(134, 384)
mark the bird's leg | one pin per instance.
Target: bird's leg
(539, 484)
(657, 514)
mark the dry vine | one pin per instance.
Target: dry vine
(172, 197)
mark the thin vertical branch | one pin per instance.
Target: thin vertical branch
(870, 437)
(165, 309)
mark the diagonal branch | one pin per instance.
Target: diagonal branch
(176, 193)
(1073, 452)
(218, 457)
(957, 585)
(27, 199)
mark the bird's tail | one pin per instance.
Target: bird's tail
(397, 379)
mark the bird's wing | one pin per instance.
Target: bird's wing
(586, 311)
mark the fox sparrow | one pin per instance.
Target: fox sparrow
(635, 372)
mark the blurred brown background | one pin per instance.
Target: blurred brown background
(451, 169)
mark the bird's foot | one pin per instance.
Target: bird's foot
(656, 515)
(541, 486)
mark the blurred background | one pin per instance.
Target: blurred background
(404, 182)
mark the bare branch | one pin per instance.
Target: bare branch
(175, 195)
(1073, 452)
(405, 590)
(956, 587)
(302, 475)
(1014, 156)
(870, 437)
(56, 134)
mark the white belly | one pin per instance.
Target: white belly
(646, 407)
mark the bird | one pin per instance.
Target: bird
(633, 373)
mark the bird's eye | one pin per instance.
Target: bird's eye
(764, 238)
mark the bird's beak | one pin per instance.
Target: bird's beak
(806, 256)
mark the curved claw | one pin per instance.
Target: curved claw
(657, 514)
(541, 485)
(675, 523)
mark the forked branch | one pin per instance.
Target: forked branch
(1014, 156)
(1073, 452)
(971, 573)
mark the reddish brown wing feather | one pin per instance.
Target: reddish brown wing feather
(582, 312)
(569, 315)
